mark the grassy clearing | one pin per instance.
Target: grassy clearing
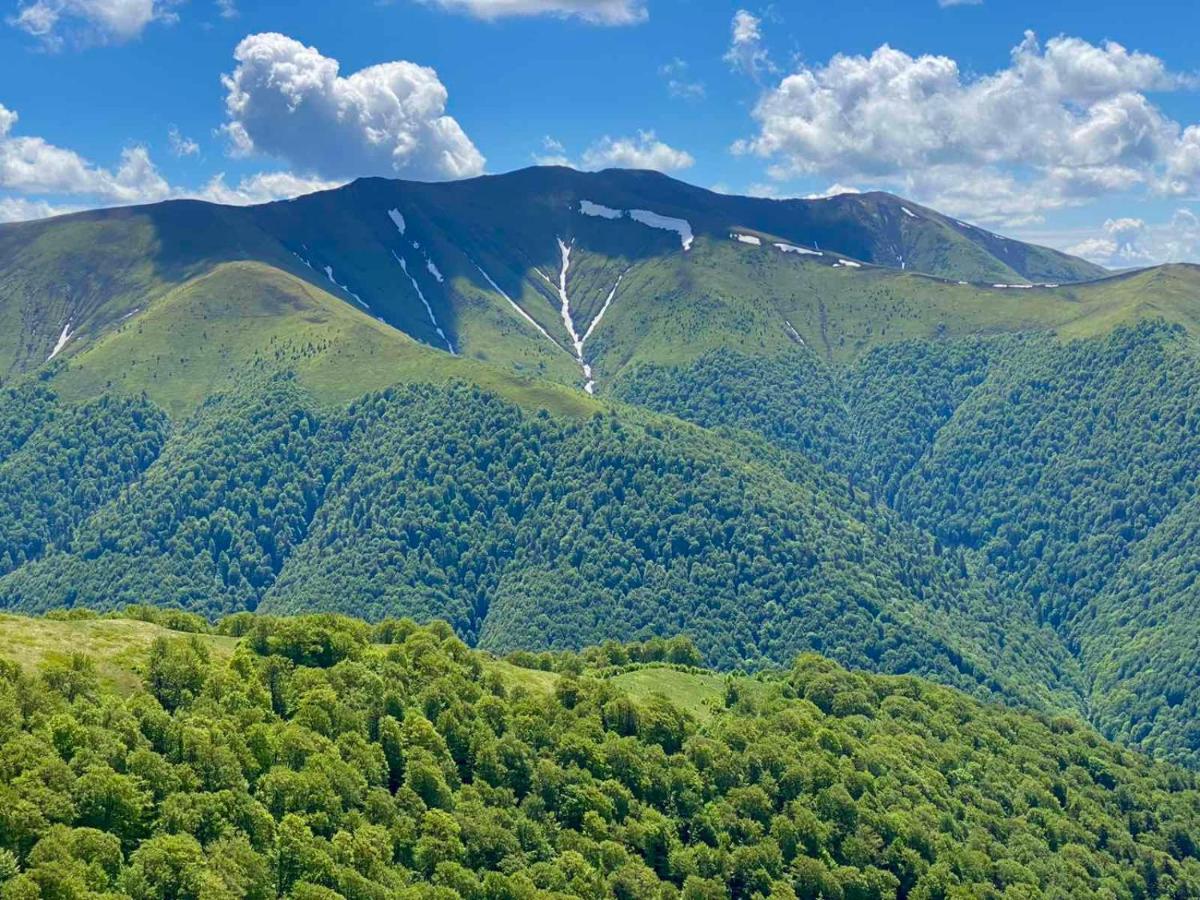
(118, 646)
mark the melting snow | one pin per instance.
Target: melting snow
(682, 227)
(397, 218)
(302, 259)
(428, 309)
(746, 239)
(62, 341)
(848, 263)
(588, 208)
(792, 248)
(603, 309)
(433, 270)
(513, 303)
(908, 212)
(577, 340)
(357, 299)
(791, 330)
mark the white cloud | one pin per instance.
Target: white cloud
(288, 101)
(679, 84)
(553, 153)
(90, 21)
(22, 209)
(31, 165)
(39, 179)
(1129, 242)
(746, 52)
(228, 9)
(261, 188)
(1061, 124)
(180, 145)
(834, 190)
(645, 151)
(597, 12)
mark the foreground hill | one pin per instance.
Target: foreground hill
(324, 758)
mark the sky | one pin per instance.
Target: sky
(1071, 123)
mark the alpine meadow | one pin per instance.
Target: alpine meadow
(405, 524)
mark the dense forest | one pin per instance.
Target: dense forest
(527, 532)
(1013, 515)
(322, 757)
(1064, 474)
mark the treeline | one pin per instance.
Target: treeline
(317, 764)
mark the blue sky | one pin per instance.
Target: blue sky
(1074, 123)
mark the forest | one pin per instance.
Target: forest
(323, 757)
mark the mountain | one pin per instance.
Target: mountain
(320, 756)
(475, 266)
(555, 408)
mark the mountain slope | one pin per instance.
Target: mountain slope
(478, 267)
(528, 532)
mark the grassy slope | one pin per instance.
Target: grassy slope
(207, 333)
(118, 646)
(726, 294)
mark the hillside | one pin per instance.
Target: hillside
(375, 400)
(320, 759)
(524, 531)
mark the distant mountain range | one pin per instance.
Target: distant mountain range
(555, 407)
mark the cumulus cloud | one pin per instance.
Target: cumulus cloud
(22, 209)
(31, 165)
(1062, 123)
(746, 52)
(39, 179)
(645, 151)
(836, 189)
(597, 12)
(260, 188)
(1130, 242)
(289, 101)
(55, 22)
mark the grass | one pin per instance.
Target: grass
(205, 334)
(119, 647)
(700, 693)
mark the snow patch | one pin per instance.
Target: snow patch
(62, 341)
(588, 208)
(792, 248)
(746, 239)
(421, 294)
(847, 263)
(398, 219)
(302, 259)
(603, 309)
(433, 270)
(682, 227)
(793, 333)
(908, 212)
(357, 299)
